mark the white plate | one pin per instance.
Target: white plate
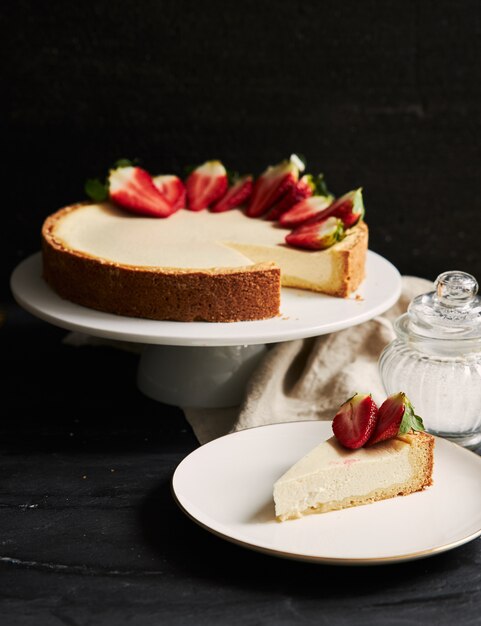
(303, 313)
(226, 487)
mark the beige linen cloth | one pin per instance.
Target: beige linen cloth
(308, 379)
(304, 379)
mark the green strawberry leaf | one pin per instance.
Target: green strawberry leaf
(125, 163)
(232, 177)
(320, 186)
(188, 169)
(96, 190)
(410, 420)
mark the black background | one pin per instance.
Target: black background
(381, 94)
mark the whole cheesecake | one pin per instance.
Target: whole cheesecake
(330, 477)
(216, 267)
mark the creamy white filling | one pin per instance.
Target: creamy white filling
(330, 473)
(188, 239)
(185, 239)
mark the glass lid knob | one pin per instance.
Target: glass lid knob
(455, 289)
(452, 309)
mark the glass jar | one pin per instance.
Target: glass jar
(436, 358)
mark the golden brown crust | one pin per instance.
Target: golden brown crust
(351, 260)
(422, 454)
(228, 295)
(355, 261)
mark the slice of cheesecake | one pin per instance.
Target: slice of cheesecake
(331, 477)
(217, 267)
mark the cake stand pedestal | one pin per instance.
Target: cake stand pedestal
(212, 376)
(200, 364)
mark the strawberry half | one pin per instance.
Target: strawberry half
(237, 194)
(317, 236)
(304, 188)
(132, 188)
(304, 210)
(349, 208)
(271, 185)
(396, 415)
(172, 188)
(206, 185)
(355, 421)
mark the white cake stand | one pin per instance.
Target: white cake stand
(204, 364)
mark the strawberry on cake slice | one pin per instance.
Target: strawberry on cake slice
(374, 454)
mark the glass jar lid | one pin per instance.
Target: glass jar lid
(451, 311)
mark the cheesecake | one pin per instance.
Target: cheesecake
(216, 267)
(331, 477)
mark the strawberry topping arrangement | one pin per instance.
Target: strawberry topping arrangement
(359, 422)
(281, 194)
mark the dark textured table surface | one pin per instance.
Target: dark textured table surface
(90, 533)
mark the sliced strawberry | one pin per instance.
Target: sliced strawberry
(132, 188)
(390, 417)
(317, 236)
(304, 188)
(349, 208)
(271, 185)
(206, 185)
(237, 194)
(355, 421)
(396, 415)
(172, 188)
(304, 210)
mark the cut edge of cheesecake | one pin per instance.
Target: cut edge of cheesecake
(421, 460)
(335, 271)
(230, 294)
